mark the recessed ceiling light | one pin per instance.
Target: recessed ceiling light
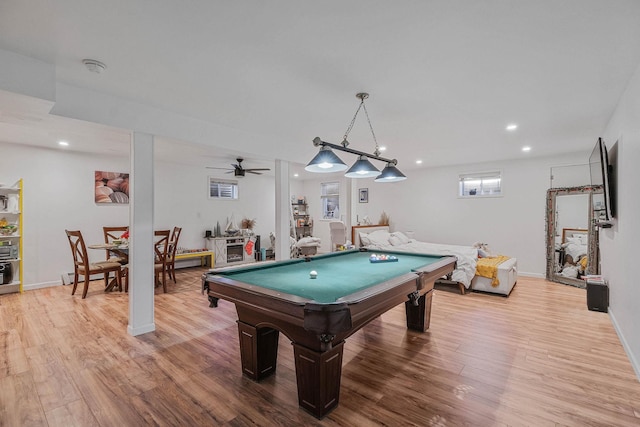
(419, 162)
(512, 127)
(383, 148)
(295, 175)
(63, 143)
(526, 149)
(94, 66)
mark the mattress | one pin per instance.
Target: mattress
(507, 276)
(466, 255)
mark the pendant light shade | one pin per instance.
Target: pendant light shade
(326, 161)
(362, 168)
(390, 174)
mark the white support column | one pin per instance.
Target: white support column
(141, 255)
(283, 204)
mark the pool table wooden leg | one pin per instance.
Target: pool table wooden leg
(258, 350)
(318, 375)
(418, 317)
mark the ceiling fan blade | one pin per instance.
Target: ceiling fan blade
(211, 167)
(258, 169)
(251, 171)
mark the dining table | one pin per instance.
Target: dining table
(119, 250)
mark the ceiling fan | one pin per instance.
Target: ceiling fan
(238, 170)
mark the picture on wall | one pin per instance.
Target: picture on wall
(364, 195)
(111, 187)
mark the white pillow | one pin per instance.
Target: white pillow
(379, 238)
(364, 239)
(398, 238)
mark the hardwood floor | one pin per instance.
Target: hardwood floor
(537, 358)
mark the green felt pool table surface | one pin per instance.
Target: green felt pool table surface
(339, 274)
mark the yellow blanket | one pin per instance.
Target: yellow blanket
(488, 267)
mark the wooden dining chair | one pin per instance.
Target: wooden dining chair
(161, 249)
(171, 254)
(83, 267)
(111, 234)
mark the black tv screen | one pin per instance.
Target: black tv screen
(600, 175)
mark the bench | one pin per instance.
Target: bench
(203, 255)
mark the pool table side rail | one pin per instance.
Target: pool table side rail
(388, 295)
(290, 308)
(439, 268)
(254, 289)
(253, 266)
(363, 305)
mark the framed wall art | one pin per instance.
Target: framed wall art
(363, 195)
(111, 187)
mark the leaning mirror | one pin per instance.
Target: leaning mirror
(572, 237)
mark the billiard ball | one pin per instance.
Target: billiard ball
(313, 274)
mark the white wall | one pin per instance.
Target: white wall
(572, 211)
(58, 195)
(296, 188)
(618, 245)
(181, 200)
(427, 204)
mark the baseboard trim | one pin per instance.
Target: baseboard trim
(41, 285)
(627, 349)
(527, 274)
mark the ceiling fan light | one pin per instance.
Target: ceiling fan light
(325, 161)
(390, 174)
(362, 168)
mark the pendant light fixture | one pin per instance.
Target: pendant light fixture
(362, 168)
(390, 173)
(327, 161)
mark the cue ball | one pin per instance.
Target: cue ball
(313, 274)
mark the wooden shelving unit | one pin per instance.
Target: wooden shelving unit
(302, 220)
(11, 244)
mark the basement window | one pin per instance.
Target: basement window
(330, 198)
(483, 184)
(223, 189)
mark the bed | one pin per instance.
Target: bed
(573, 252)
(464, 276)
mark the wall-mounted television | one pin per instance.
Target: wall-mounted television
(603, 206)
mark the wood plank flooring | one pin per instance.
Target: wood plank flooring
(537, 358)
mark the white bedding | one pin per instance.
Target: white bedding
(576, 249)
(467, 256)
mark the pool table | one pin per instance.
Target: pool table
(317, 314)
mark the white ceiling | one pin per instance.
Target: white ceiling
(444, 77)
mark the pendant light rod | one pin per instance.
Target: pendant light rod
(318, 142)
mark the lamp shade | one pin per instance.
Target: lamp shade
(325, 161)
(390, 174)
(362, 168)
